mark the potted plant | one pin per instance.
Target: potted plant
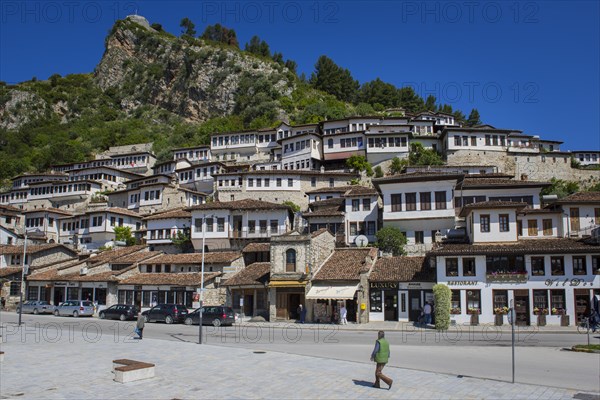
(499, 315)
(474, 315)
(564, 318)
(541, 315)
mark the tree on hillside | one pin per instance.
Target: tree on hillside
(359, 164)
(332, 79)
(379, 92)
(391, 240)
(409, 100)
(430, 103)
(123, 234)
(189, 28)
(291, 65)
(419, 155)
(474, 118)
(397, 165)
(459, 117)
(258, 47)
(221, 34)
(561, 188)
(278, 58)
(445, 108)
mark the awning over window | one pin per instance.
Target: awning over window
(287, 283)
(345, 292)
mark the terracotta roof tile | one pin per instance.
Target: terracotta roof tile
(524, 246)
(245, 204)
(49, 209)
(9, 271)
(357, 190)
(175, 278)
(318, 232)
(32, 249)
(335, 202)
(582, 197)
(256, 247)
(253, 274)
(217, 257)
(346, 264)
(136, 257)
(337, 189)
(177, 213)
(483, 182)
(419, 177)
(324, 212)
(109, 255)
(490, 205)
(402, 269)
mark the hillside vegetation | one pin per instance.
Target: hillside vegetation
(152, 86)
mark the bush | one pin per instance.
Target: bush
(442, 295)
(391, 240)
(378, 172)
(295, 207)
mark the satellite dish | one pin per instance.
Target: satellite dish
(361, 241)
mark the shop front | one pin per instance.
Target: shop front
(285, 296)
(398, 301)
(324, 302)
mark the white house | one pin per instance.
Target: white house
(361, 214)
(162, 227)
(548, 280)
(587, 157)
(231, 224)
(581, 213)
(420, 205)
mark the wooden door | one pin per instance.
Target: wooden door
(574, 219)
(521, 307)
(281, 306)
(582, 304)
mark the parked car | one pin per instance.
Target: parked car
(120, 311)
(76, 308)
(212, 315)
(37, 307)
(168, 313)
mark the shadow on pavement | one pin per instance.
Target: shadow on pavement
(362, 383)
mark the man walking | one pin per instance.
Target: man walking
(427, 313)
(343, 315)
(381, 355)
(139, 326)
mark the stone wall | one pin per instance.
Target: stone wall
(536, 167)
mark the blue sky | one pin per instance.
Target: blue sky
(531, 65)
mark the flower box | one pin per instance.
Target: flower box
(475, 319)
(507, 277)
(499, 319)
(541, 320)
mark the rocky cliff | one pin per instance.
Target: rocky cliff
(185, 75)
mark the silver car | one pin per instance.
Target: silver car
(76, 308)
(37, 307)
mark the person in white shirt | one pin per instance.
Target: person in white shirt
(427, 313)
(343, 315)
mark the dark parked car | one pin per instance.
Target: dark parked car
(120, 311)
(216, 316)
(168, 313)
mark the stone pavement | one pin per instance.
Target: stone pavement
(410, 326)
(51, 364)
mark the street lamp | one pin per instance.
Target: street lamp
(202, 280)
(23, 275)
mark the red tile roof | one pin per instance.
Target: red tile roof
(347, 264)
(253, 274)
(217, 257)
(402, 269)
(174, 279)
(245, 204)
(257, 247)
(581, 197)
(176, 213)
(524, 246)
(33, 249)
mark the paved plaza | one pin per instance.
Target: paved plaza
(51, 363)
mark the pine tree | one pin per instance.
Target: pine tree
(188, 26)
(474, 118)
(332, 79)
(221, 34)
(430, 103)
(409, 100)
(379, 92)
(258, 47)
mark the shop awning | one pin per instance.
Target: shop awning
(340, 292)
(287, 284)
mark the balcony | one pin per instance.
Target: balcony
(257, 233)
(507, 277)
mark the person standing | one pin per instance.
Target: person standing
(427, 313)
(381, 355)
(139, 326)
(343, 315)
(301, 313)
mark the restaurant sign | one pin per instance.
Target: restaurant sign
(462, 283)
